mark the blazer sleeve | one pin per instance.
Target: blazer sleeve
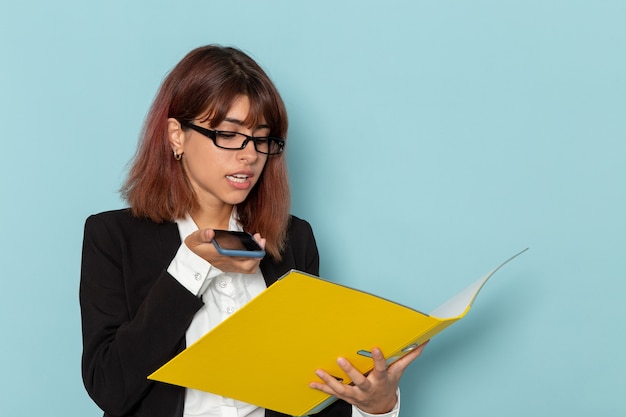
(134, 314)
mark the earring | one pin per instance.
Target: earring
(178, 156)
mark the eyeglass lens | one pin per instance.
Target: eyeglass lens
(234, 140)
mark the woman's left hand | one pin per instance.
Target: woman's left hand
(374, 393)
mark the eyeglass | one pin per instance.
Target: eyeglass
(235, 141)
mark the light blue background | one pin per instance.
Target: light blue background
(429, 140)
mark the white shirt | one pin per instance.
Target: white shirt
(222, 293)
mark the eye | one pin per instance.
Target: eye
(226, 135)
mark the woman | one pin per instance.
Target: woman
(151, 280)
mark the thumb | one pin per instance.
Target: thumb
(199, 237)
(261, 241)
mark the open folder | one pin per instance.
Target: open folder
(267, 352)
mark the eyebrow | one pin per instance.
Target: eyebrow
(240, 123)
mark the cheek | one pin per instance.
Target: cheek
(198, 165)
(263, 164)
(263, 161)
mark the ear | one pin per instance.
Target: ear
(175, 135)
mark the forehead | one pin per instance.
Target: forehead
(241, 110)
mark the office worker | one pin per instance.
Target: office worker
(210, 157)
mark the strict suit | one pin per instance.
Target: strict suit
(135, 314)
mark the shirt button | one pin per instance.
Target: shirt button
(230, 310)
(197, 276)
(222, 284)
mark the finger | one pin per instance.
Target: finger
(322, 387)
(402, 363)
(330, 386)
(250, 266)
(207, 235)
(236, 263)
(354, 374)
(200, 236)
(260, 240)
(380, 365)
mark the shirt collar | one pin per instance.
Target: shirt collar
(187, 226)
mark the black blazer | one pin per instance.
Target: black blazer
(135, 315)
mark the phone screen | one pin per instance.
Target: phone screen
(237, 244)
(236, 241)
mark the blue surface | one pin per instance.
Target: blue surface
(428, 141)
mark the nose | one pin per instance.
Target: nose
(248, 153)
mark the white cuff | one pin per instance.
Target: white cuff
(192, 271)
(395, 412)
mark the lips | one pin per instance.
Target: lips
(241, 180)
(238, 178)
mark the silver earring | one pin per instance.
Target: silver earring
(178, 156)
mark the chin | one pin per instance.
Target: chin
(234, 200)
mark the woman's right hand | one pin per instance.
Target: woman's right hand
(200, 242)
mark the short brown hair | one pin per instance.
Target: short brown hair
(209, 79)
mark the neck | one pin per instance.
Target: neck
(212, 217)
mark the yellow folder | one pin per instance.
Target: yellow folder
(267, 352)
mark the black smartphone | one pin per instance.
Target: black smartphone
(242, 244)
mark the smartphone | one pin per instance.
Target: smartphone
(230, 243)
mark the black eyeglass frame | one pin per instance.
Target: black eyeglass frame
(212, 134)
